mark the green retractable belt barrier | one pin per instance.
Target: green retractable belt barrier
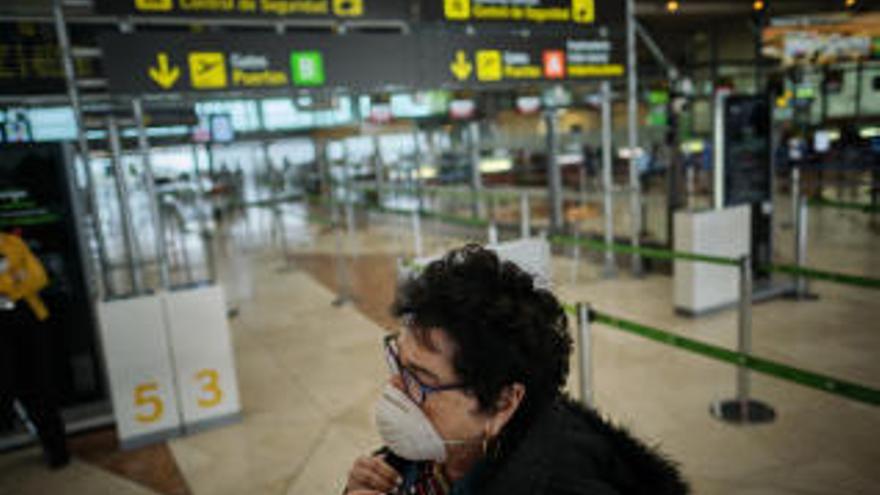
(810, 379)
(842, 278)
(644, 251)
(657, 253)
(846, 205)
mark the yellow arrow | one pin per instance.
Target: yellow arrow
(461, 68)
(164, 75)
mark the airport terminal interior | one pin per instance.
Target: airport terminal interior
(207, 207)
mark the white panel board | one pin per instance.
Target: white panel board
(701, 287)
(140, 370)
(202, 353)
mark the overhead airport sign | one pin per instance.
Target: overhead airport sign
(179, 63)
(287, 9)
(166, 63)
(500, 61)
(534, 12)
(30, 60)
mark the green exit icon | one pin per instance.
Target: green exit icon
(307, 68)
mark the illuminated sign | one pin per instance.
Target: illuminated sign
(288, 9)
(30, 60)
(450, 60)
(577, 12)
(174, 63)
(155, 63)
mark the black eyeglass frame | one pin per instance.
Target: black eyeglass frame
(409, 378)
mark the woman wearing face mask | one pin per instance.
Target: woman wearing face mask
(475, 405)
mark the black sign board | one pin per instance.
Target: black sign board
(173, 63)
(462, 61)
(285, 9)
(582, 13)
(30, 60)
(748, 174)
(157, 63)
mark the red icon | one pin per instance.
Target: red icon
(554, 64)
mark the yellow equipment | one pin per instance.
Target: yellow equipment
(23, 276)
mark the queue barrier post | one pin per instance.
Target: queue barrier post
(585, 356)
(524, 220)
(342, 278)
(743, 409)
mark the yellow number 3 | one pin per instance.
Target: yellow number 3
(210, 387)
(142, 399)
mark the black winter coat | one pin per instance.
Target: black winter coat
(569, 449)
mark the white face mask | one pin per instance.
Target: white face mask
(406, 430)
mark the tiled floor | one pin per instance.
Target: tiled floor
(309, 373)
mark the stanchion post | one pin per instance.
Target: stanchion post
(607, 202)
(524, 215)
(133, 253)
(795, 193)
(744, 324)
(342, 278)
(742, 409)
(476, 177)
(417, 234)
(801, 287)
(690, 175)
(576, 251)
(152, 196)
(282, 232)
(585, 350)
(635, 193)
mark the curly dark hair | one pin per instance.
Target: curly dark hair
(505, 329)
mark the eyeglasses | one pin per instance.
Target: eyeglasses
(415, 389)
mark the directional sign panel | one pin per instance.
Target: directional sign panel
(180, 63)
(533, 12)
(174, 63)
(460, 61)
(286, 9)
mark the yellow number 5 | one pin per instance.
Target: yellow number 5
(142, 399)
(210, 387)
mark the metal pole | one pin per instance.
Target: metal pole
(84, 151)
(744, 340)
(131, 245)
(282, 232)
(153, 197)
(417, 233)
(743, 409)
(524, 215)
(718, 168)
(585, 350)
(476, 178)
(795, 193)
(608, 205)
(202, 218)
(554, 176)
(635, 193)
(378, 170)
(492, 233)
(341, 269)
(576, 251)
(796, 225)
(690, 175)
(801, 288)
(418, 158)
(349, 206)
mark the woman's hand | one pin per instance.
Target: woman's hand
(371, 475)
